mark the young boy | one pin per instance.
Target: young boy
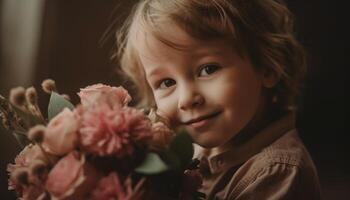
(229, 72)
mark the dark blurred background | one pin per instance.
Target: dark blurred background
(72, 42)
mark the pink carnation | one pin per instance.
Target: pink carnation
(115, 97)
(26, 156)
(24, 160)
(111, 187)
(107, 132)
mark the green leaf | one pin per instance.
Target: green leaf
(21, 139)
(182, 147)
(57, 104)
(152, 164)
(172, 159)
(29, 119)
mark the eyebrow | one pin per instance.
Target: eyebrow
(199, 54)
(209, 51)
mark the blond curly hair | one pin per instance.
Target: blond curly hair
(260, 29)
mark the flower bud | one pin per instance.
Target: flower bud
(17, 96)
(4, 121)
(49, 86)
(31, 96)
(21, 176)
(37, 133)
(37, 168)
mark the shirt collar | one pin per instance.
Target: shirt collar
(242, 152)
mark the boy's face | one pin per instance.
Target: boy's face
(206, 86)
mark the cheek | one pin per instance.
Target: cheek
(240, 94)
(246, 104)
(167, 106)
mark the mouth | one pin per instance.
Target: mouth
(202, 120)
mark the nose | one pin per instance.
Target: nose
(189, 98)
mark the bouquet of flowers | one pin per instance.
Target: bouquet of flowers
(99, 149)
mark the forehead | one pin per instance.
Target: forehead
(167, 38)
(173, 40)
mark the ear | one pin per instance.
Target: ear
(269, 78)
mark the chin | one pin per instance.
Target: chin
(207, 143)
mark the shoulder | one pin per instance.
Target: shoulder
(284, 168)
(288, 150)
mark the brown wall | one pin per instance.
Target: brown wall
(72, 51)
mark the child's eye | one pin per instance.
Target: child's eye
(208, 69)
(166, 83)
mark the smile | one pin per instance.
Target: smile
(201, 121)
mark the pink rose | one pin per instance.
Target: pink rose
(111, 187)
(61, 133)
(107, 132)
(71, 177)
(162, 136)
(115, 97)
